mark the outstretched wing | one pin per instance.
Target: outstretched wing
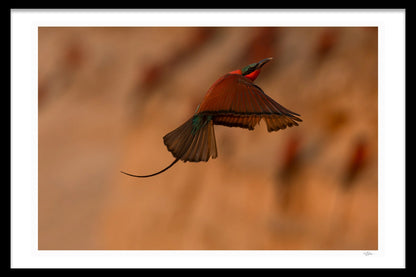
(235, 101)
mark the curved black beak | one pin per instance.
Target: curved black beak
(263, 62)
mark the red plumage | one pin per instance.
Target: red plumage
(233, 101)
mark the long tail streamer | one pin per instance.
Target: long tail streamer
(145, 176)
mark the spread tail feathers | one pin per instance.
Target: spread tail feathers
(193, 141)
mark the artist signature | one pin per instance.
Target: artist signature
(367, 253)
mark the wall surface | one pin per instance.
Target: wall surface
(107, 96)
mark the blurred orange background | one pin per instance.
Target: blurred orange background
(107, 96)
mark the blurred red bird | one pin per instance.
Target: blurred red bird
(233, 101)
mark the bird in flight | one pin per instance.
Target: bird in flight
(233, 101)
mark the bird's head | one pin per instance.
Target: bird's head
(251, 71)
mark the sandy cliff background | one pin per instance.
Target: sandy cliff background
(107, 96)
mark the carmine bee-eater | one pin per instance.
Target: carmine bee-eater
(233, 101)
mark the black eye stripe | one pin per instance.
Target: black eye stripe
(248, 69)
